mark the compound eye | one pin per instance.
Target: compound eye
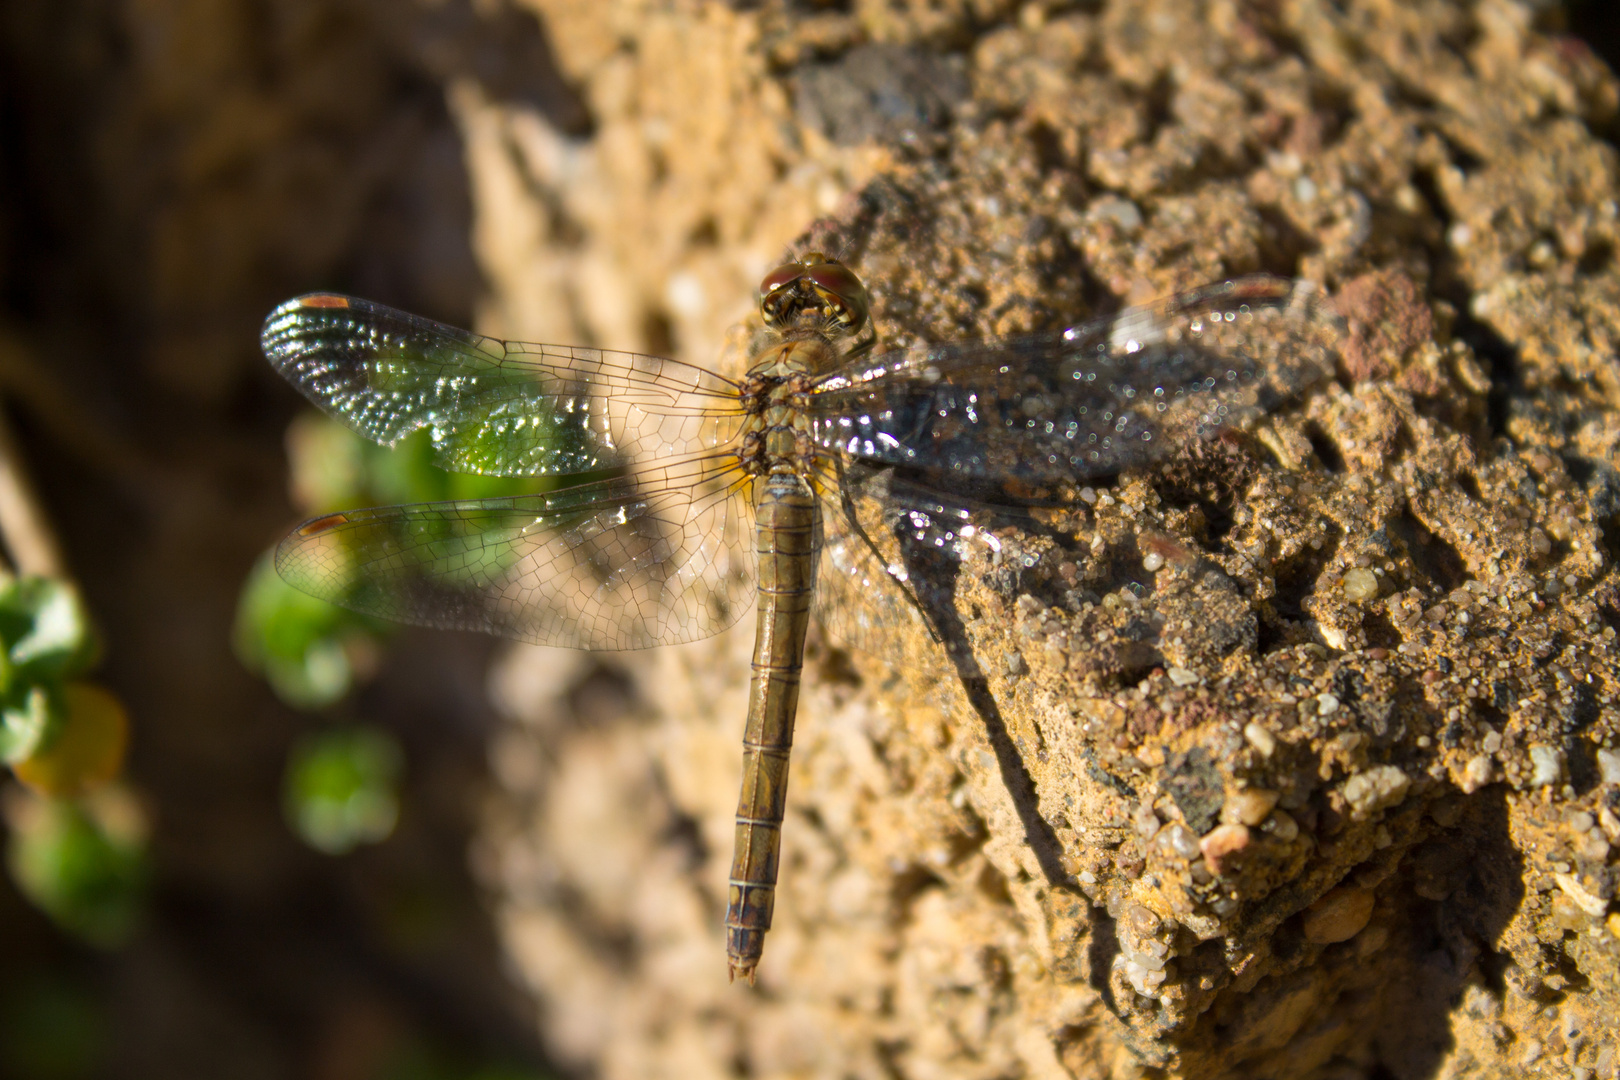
(780, 278)
(842, 290)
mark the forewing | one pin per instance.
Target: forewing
(625, 563)
(1087, 401)
(494, 407)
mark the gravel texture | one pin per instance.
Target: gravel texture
(1297, 755)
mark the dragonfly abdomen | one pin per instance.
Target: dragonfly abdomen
(785, 531)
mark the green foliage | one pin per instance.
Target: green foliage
(342, 788)
(81, 869)
(311, 652)
(63, 738)
(408, 473)
(304, 647)
(45, 639)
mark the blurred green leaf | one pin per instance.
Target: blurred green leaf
(303, 646)
(89, 878)
(408, 473)
(342, 788)
(45, 629)
(28, 727)
(306, 648)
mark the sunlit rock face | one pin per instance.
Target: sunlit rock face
(1292, 754)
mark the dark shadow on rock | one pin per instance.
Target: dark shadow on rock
(933, 574)
(506, 50)
(1463, 886)
(1100, 953)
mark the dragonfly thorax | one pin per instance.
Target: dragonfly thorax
(775, 396)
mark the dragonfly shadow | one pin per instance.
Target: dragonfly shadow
(933, 572)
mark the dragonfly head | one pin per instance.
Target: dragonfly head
(815, 292)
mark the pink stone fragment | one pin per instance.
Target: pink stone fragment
(1220, 844)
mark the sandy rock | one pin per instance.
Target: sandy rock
(1396, 594)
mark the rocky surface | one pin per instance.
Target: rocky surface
(1295, 756)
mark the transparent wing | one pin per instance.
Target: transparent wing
(661, 557)
(494, 407)
(889, 552)
(1087, 401)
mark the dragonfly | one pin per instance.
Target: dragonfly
(677, 497)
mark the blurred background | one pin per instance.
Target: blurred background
(275, 880)
(277, 883)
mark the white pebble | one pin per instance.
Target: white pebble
(1258, 737)
(1548, 762)
(1375, 789)
(1609, 766)
(1586, 900)
(1360, 585)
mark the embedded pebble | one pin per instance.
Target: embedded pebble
(1146, 822)
(1250, 806)
(1593, 847)
(1360, 585)
(1548, 765)
(1181, 676)
(1567, 914)
(1121, 211)
(1587, 901)
(1339, 915)
(1476, 774)
(1221, 844)
(1609, 766)
(1258, 737)
(1375, 789)
(1283, 826)
(1143, 979)
(1610, 823)
(1326, 704)
(1152, 561)
(1179, 839)
(1141, 920)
